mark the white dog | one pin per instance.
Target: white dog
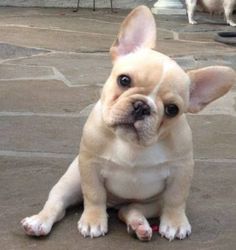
(212, 6)
(136, 148)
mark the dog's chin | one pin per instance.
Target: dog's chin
(136, 133)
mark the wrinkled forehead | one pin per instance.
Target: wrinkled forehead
(152, 70)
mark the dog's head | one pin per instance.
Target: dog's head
(147, 92)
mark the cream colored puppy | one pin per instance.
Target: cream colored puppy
(212, 6)
(136, 149)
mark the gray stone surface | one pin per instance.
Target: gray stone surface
(45, 96)
(40, 134)
(8, 51)
(74, 66)
(72, 3)
(11, 72)
(218, 136)
(53, 63)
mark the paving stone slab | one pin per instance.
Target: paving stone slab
(214, 136)
(9, 51)
(73, 22)
(56, 39)
(60, 135)
(198, 36)
(73, 3)
(90, 42)
(99, 14)
(211, 210)
(186, 62)
(78, 68)
(11, 71)
(226, 59)
(177, 48)
(46, 96)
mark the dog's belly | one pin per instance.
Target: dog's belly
(135, 183)
(212, 5)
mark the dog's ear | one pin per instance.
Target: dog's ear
(137, 30)
(208, 84)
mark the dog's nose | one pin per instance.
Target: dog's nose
(141, 109)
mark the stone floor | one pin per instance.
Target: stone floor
(53, 63)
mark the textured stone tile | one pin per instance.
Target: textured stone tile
(91, 42)
(214, 136)
(66, 23)
(186, 62)
(72, 3)
(178, 48)
(56, 39)
(40, 134)
(9, 51)
(47, 96)
(78, 68)
(11, 71)
(99, 14)
(225, 59)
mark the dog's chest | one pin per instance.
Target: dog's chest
(129, 174)
(136, 183)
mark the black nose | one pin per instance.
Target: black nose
(141, 109)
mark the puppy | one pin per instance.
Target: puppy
(136, 149)
(212, 6)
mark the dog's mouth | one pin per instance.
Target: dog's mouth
(125, 125)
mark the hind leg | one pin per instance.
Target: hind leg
(66, 192)
(134, 215)
(228, 9)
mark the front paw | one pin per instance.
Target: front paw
(93, 223)
(192, 22)
(231, 23)
(175, 227)
(36, 225)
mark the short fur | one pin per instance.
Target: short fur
(143, 166)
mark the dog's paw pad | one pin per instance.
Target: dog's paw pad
(36, 226)
(141, 228)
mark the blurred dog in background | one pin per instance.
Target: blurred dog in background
(213, 7)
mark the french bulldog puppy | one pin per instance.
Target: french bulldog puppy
(212, 6)
(136, 149)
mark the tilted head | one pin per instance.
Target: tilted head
(147, 91)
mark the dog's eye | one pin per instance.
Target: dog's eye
(124, 81)
(171, 110)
